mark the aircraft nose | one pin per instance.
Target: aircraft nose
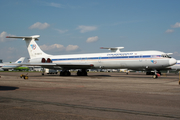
(172, 61)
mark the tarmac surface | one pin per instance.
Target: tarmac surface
(98, 96)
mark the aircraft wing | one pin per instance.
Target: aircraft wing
(64, 65)
(75, 65)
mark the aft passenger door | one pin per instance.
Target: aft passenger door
(99, 59)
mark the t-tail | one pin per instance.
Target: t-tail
(33, 49)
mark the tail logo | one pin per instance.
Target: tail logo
(19, 61)
(33, 46)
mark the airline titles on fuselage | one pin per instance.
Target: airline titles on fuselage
(119, 54)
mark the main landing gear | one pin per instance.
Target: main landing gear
(83, 72)
(65, 73)
(43, 71)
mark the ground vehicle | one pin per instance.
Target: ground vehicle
(50, 71)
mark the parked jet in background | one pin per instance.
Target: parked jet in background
(139, 60)
(6, 66)
(175, 67)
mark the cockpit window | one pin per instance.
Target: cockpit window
(165, 55)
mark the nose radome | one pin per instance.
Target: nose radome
(172, 61)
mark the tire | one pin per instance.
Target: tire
(78, 73)
(61, 73)
(69, 73)
(155, 76)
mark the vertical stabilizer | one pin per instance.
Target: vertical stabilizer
(33, 49)
(20, 60)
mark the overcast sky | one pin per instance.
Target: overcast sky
(83, 26)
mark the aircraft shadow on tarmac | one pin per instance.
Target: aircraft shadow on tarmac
(5, 88)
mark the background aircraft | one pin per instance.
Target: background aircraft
(6, 66)
(139, 60)
(175, 67)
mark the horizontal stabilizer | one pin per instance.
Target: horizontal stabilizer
(33, 48)
(25, 37)
(113, 49)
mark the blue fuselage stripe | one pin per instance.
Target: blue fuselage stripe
(110, 57)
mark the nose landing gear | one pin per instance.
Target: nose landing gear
(156, 74)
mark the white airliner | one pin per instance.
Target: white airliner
(136, 60)
(6, 66)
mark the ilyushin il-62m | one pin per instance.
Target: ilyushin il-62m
(135, 60)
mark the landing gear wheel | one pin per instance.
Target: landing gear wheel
(155, 76)
(79, 73)
(61, 73)
(82, 73)
(65, 73)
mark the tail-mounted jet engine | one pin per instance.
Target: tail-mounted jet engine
(40, 60)
(49, 60)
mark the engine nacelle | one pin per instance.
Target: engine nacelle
(40, 60)
(36, 60)
(49, 60)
